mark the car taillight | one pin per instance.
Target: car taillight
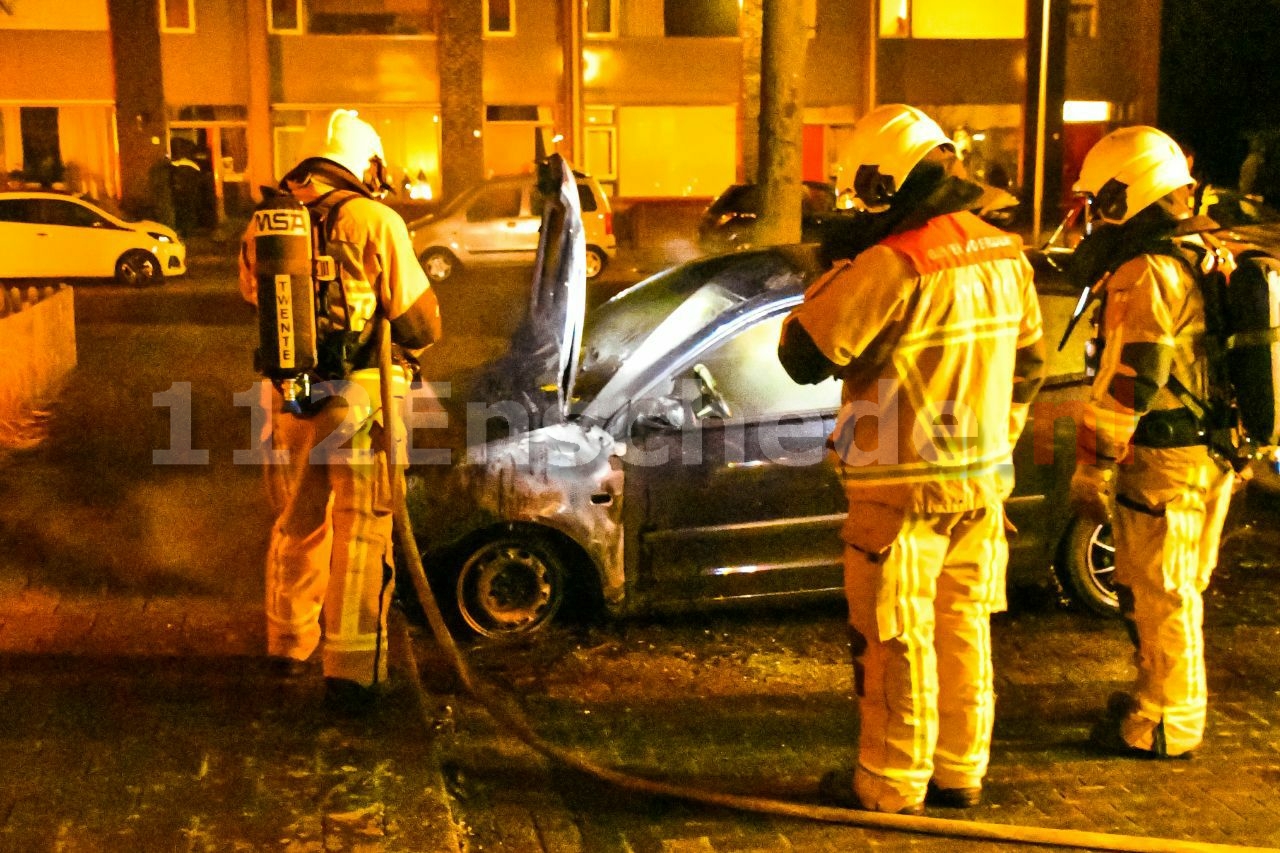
(608, 223)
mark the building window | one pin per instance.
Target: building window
(895, 18)
(600, 143)
(692, 18)
(601, 18)
(285, 16)
(1082, 19)
(499, 17)
(953, 19)
(41, 147)
(371, 17)
(177, 16)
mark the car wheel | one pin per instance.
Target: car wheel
(510, 585)
(438, 264)
(137, 268)
(1086, 567)
(597, 260)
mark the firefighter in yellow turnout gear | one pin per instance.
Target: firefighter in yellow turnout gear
(935, 331)
(1144, 463)
(330, 547)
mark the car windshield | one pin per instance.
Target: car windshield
(739, 197)
(110, 206)
(629, 333)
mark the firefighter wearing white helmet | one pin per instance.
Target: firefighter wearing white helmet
(1143, 462)
(330, 545)
(935, 330)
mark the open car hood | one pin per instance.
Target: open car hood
(538, 369)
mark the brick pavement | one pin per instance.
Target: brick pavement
(135, 723)
(768, 722)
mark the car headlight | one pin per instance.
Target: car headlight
(160, 238)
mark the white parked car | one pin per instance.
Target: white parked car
(496, 222)
(57, 235)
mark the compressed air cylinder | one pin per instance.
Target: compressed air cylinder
(286, 294)
(1253, 345)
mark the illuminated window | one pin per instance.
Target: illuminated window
(953, 19)
(177, 16)
(285, 16)
(371, 17)
(1082, 19)
(1074, 112)
(895, 18)
(602, 17)
(700, 17)
(499, 17)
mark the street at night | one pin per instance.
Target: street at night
(139, 715)
(639, 426)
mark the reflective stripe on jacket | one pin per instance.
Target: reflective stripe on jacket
(927, 326)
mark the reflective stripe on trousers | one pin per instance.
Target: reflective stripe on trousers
(331, 544)
(1168, 526)
(926, 696)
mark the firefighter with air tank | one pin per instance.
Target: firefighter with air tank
(1145, 462)
(324, 261)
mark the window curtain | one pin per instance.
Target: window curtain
(87, 140)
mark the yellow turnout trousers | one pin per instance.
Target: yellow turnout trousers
(1171, 505)
(330, 547)
(919, 610)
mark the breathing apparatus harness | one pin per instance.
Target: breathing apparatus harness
(1235, 419)
(298, 282)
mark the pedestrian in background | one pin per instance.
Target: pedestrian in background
(1144, 462)
(185, 180)
(330, 547)
(936, 333)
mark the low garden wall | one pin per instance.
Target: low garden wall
(38, 327)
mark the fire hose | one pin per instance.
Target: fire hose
(507, 713)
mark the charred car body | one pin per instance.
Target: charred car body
(658, 456)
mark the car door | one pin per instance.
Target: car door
(736, 503)
(18, 237)
(76, 241)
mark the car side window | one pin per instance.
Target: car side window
(586, 200)
(748, 376)
(15, 210)
(495, 203)
(55, 212)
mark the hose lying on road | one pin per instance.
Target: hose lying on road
(505, 711)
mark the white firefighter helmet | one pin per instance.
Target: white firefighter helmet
(1130, 169)
(352, 143)
(886, 144)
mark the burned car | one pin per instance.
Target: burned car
(658, 456)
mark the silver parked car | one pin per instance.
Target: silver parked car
(658, 456)
(497, 222)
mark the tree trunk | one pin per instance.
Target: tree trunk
(461, 58)
(782, 60)
(749, 95)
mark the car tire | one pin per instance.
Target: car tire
(138, 268)
(438, 264)
(510, 585)
(1085, 567)
(597, 260)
